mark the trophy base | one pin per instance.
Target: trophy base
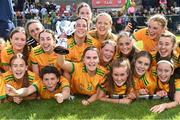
(61, 50)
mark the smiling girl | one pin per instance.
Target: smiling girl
(149, 36)
(43, 55)
(125, 47)
(87, 76)
(168, 85)
(103, 29)
(119, 83)
(166, 50)
(79, 41)
(52, 85)
(19, 76)
(33, 28)
(144, 80)
(107, 53)
(18, 45)
(84, 10)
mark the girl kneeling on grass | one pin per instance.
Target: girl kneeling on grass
(18, 76)
(87, 76)
(53, 85)
(119, 83)
(168, 85)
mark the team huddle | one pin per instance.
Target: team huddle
(97, 63)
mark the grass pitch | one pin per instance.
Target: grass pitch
(50, 109)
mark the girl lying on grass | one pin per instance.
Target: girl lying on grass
(119, 83)
(168, 84)
(87, 76)
(144, 81)
(53, 85)
(18, 76)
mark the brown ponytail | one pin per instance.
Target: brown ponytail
(171, 88)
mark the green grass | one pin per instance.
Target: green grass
(50, 109)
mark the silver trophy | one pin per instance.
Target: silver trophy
(64, 28)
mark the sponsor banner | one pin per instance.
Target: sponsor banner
(107, 3)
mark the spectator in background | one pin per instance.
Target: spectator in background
(149, 3)
(6, 18)
(177, 3)
(43, 12)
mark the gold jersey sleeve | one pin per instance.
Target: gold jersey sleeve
(6, 55)
(143, 35)
(177, 84)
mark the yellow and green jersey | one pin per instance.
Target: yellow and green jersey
(76, 51)
(42, 59)
(165, 86)
(6, 55)
(8, 78)
(110, 36)
(149, 45)
(147, 81)
(83, 83)
(44, 93)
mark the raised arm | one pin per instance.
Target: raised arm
(35, 68)
(65, 65)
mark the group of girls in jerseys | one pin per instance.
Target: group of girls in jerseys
(101, 65)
